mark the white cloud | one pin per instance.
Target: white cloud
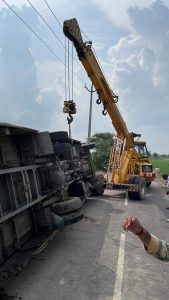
(13, 2)
(137, 63)
(141, 73)
(117, 11)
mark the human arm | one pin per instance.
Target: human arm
(154, 246)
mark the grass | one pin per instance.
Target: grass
(162, 164)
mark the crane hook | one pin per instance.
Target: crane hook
(116, 98)
(98, 101)
(70, 119)
(104, 112)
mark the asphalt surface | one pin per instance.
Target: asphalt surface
(95, 260)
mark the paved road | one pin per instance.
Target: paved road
(95, 260)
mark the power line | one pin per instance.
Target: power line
(46, 23)
(50, 28)
(53, 13)
(48, 47)
(60, 27)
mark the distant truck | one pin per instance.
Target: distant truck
(42, 175)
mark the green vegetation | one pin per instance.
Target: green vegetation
(162, 164)
(103, 143)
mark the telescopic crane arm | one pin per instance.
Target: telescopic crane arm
(129, 168)
(106, 96)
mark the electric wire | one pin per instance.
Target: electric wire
(42, 41)
(46, 23)
(48, 47)
(59, 25)
(53, 13)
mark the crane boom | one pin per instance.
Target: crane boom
(107, 97)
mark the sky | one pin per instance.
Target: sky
(131, 39)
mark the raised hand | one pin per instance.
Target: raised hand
(132, 224)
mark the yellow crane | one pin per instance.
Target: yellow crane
(129, 167)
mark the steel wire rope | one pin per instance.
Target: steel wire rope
(72, 71)
(68, 69)
(44, 43)
(65, 71)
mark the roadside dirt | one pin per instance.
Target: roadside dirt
(161, 181)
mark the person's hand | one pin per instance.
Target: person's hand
(132, 224)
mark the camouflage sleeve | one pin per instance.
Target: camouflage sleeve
(158, 248)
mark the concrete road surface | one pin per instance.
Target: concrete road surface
(94, 259)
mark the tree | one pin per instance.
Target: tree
(103, 143)
(155, 155)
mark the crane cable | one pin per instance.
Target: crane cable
(72, 71)
(70, 104)
(65, 70)
(68, 70)
(69, 117)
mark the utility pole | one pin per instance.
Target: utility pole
(90, 112)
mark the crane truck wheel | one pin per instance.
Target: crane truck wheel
(131, 194)
(148, 184)
(141, 193)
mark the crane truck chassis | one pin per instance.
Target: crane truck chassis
(129, 166)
